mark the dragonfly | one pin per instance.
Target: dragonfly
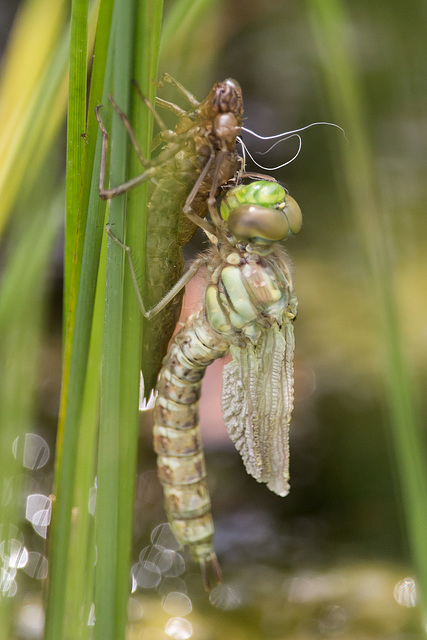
(195, 160)
(248, 310)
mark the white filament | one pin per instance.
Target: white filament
(279, 166)
(286, 134)
(281, 137)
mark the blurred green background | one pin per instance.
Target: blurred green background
(324, 561)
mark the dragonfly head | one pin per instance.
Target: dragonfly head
(261, 213)
(228, 98)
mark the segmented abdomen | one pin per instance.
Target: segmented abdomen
(249, 307)
(177, 441)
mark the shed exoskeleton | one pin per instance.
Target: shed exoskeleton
(195, 160)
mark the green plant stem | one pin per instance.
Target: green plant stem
(76, 126)
(145, 64)
(107, 520)
(79, 326)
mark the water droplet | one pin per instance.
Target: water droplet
(32, 449)
(36, 566)
(8, 586)
(163, 538)
(7, 490)
(170, 563)
(147, 575)
(405, 592)
(13, 553)
(18, 554)
(148, 553)
(225, 597)
(36, 502)
(172, 584)
(92, 500)
(177, 604)
(7, 533)
(38, 512)
(332, 620)
(135, 610)
(91, 618)
(134, 584)
(178, 629)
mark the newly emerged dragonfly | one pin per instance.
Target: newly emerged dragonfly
(248, 310)
(196, 159)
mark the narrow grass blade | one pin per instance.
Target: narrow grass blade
(76, 127)
(148, 19)
(79, 328)
(106, 525)
(121, 362)
(90, 204)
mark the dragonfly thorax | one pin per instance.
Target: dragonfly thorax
(247, 292)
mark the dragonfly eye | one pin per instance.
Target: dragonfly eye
(261, 212)
(254, 223)
(293, 215)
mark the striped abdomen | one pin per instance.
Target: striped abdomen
(177, 441)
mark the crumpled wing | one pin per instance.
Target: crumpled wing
(257, 402)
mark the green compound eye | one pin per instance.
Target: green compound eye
(251, 222)
(261, 212)
(261, 192)
(293, 214)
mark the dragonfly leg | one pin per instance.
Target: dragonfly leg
(165, 135)
(151, 166)
(178, 286)
(106, 194)
(177, 110)
(129, 129)
(200, 222)
(168, 135)
(211, 571)
(292, 309)
(217, 220)
(170, 106)
(256, 176)
(179, 87)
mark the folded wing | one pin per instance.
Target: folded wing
(257, 402)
